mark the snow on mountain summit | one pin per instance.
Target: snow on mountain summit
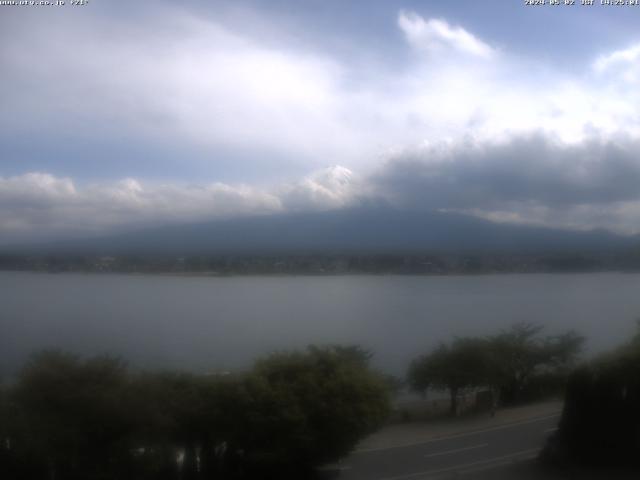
(332, 177)
(331, 187)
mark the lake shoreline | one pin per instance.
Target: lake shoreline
(213, 274)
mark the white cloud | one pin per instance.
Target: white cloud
(436, 35)
(183, 81)
(200, 84)
(197, 84)
(42, 205)
(330, 188)
(619, 217)
(36, 185)
(618, 73)
(625, 57)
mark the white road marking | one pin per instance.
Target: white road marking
(458, 435)
(463, 449)
(468, 467)
(498, 461)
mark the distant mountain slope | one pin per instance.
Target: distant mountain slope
(361, 230)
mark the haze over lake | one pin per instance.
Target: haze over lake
(209, 323)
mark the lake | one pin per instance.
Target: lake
(211, 323)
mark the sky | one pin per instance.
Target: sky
(116, 115)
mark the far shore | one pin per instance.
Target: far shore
(214, 274)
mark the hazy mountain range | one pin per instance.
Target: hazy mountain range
(365, 230)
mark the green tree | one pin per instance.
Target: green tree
(308, 408)
(198, 415)
(463, 363)
(507, 362)
(520, 353)
(91, 419)
(73, 421)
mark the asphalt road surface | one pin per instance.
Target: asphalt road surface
(465, 455)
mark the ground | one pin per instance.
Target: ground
(505, 446)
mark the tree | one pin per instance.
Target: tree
(5, 435)
(600, 421)
(308, 408)
(462, 364)
(165, 405)
(73, 422)
(520, 353)
(193, 414)
(418, 374)
(506, 362)
(89, 419)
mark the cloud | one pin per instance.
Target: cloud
(178, 80)
(41, 205)
(436, 35)
(330, 188)
(619, 57)
(191, 83)
(461, 126)
(620, 65)
(533, 178)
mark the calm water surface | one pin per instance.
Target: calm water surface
(203, 323)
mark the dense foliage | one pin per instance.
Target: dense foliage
(516, 364)
(600, 423)
(67, 418)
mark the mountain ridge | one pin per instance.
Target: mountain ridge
(366, 230)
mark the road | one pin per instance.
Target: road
(461, 455)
